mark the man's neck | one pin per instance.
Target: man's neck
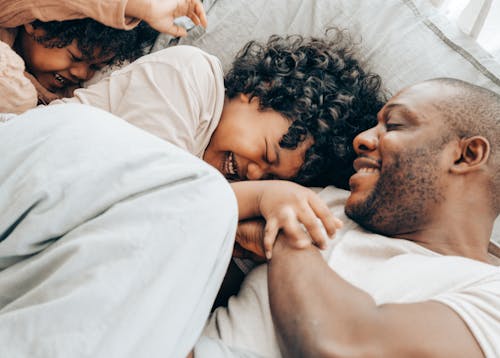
(462, 235)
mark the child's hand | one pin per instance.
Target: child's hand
(286, 206)
(160, 14)
(298, 212)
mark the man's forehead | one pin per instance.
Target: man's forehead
(419, 99)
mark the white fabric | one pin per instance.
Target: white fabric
(215, 348)
(113, 243)
(390, 270)
(176, 94)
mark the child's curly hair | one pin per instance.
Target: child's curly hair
(320, 86)
(91, 35)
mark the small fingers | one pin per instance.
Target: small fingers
(315, 228)
(270, 233)
(194, 18)
(176, 30)
(199, 11)
(296, 234)
(330, 223)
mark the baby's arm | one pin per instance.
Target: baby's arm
(287, 206)
(120, 14)
(111, 13)
(160, 14)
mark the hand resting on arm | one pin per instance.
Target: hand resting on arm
(296, 210)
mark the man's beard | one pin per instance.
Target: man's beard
(403, 195)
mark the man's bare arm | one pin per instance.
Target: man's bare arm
(318, 314)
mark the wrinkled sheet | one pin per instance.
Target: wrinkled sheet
(113, 243)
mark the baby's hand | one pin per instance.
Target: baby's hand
(298, 212)
(160, 14)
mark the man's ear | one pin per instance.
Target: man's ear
(472, 154)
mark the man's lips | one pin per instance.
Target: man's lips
(366, 164)
(367, 172)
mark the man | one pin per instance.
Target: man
(428, 175)
(113, 243)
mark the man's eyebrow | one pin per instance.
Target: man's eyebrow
(392, 106)
(401, 107)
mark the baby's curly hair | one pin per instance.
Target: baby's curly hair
(91, 35)
(319, 85)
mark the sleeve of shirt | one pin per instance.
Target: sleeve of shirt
(176, 94)
(17, 92)
(478, 306)
(110, 12)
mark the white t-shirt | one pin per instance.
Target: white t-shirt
(390, 270)
(176, 94)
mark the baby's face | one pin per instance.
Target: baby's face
(58, 69)
(245, 144)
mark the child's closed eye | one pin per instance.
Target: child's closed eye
(74, 57)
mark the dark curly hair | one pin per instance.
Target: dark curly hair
(91, 35)
(319, 85)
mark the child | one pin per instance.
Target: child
(60, 56)
(51, 49)
(288, 109)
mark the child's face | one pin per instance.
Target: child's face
(58, 68)
(245, 144)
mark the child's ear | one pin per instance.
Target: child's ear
(33, 31)
(473, 154)
(244, 98)
(29, 28)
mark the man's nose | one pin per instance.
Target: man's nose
(366, 141)
(81, 71)
(256, 171)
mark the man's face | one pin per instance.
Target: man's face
(58, 68)
(400, 175)
(245, 144)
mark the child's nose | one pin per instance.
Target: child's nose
(255, 172)
(82, 71)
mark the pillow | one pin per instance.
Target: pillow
(404, 41)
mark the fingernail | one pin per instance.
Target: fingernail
(268, 255)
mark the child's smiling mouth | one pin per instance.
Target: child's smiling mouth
(61, 81)
(230, 167)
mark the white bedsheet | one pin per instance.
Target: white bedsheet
(113, 243)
